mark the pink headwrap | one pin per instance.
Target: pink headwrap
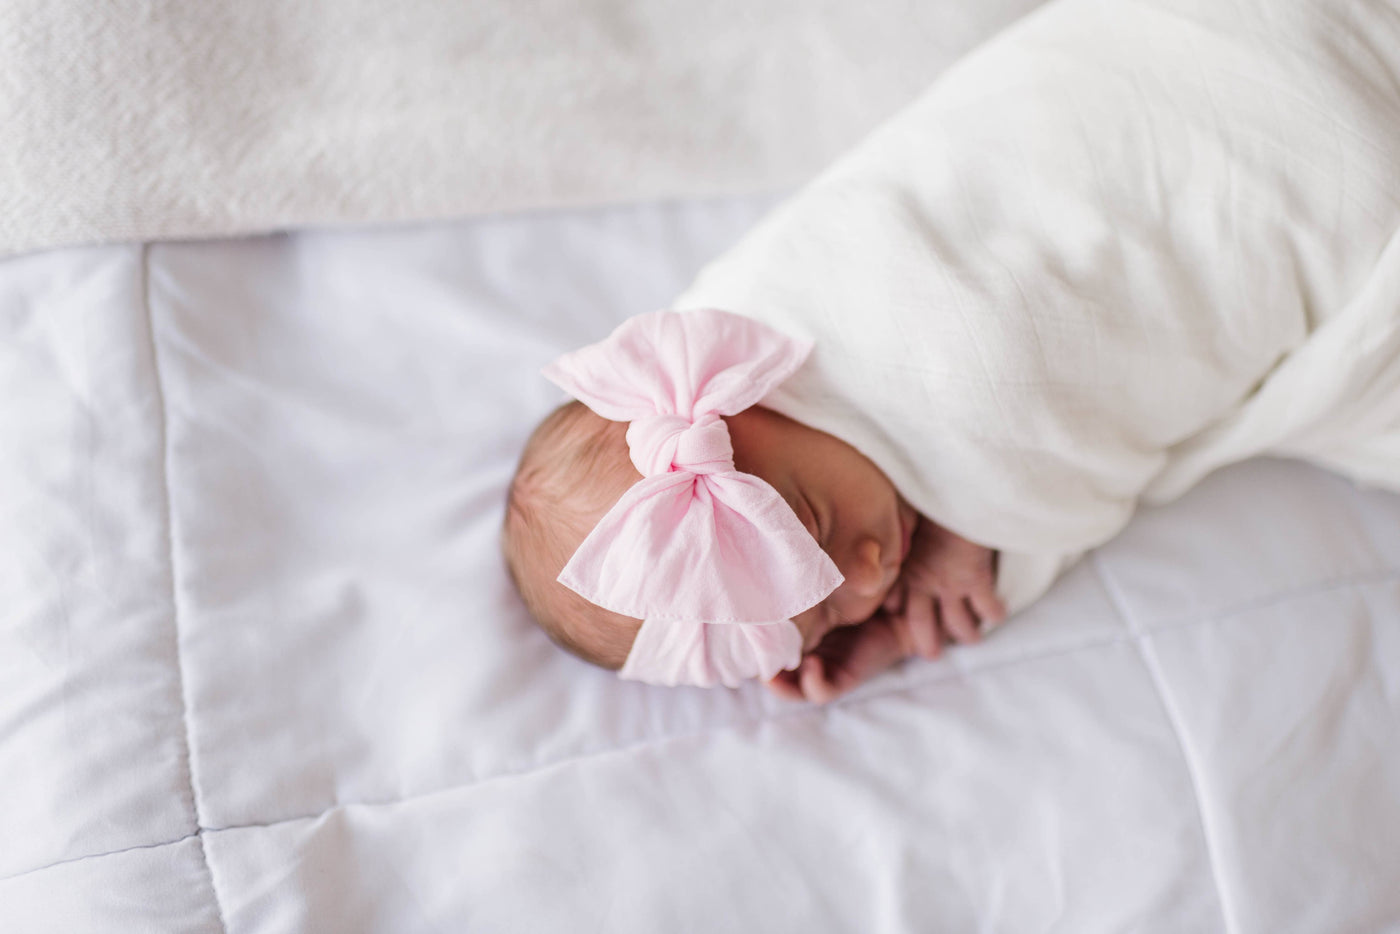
(713, 561)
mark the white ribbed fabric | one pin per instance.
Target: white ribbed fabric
(145, 119)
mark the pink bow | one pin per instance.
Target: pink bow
(713, 561)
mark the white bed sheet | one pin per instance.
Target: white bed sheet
(261, 669)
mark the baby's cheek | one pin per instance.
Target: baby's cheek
(851, 605)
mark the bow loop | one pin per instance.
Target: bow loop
(671, 363)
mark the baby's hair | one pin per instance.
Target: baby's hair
(574, 468)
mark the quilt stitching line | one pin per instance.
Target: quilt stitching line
(1215, 616)
(588, 754)
(594, 753)
(1174, 621)
(1149, 660)
(86, 856)
(1199, 619)
(162, 410)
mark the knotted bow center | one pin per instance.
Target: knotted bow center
(662, 443)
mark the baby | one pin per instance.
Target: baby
(864, 579)
(1062, 283)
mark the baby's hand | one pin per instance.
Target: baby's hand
(946, 590)
(846, 656)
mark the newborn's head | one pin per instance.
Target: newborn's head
(576, 466)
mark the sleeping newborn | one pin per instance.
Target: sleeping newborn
(1113, 250)
(906, 583)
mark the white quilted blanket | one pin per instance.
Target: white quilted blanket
(261, 670)
(1119, 246)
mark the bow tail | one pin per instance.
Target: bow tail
(671, 652)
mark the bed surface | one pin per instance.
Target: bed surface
(261, 669)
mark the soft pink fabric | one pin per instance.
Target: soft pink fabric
(712, 560)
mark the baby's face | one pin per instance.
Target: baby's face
(844, 500)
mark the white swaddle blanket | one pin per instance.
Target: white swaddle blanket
(1120, 246)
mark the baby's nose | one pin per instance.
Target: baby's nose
(869, 576)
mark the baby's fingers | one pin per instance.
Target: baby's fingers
(958, 620)
(787, 685)
(987, 605)
(920, 621)
(821, 683)
(847, 657)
